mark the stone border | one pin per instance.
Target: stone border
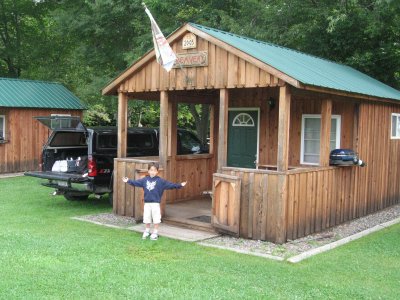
(307, 254)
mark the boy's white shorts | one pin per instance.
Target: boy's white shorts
(152, 213)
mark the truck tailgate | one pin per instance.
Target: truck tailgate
(57, 176)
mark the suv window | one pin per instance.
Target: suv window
(65, 139)
(189, 142)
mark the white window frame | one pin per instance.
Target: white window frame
(3, 120)
(316, 116)
(397, 136)
(57, 115)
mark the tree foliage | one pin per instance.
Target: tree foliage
(86, 43)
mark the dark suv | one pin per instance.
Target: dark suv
(79, 161)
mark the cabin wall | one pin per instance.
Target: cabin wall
(224, 70)
(318, 198)
(25, 137)
(268, 135)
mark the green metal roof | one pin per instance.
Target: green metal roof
(36, 94)
(307, 69)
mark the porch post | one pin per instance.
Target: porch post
(163, 138)
(223, 128)
(172, 128)
(122, 123)
(283, 128)
(325, 135)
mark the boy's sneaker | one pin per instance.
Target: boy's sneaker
(145, 235)
(154, 236)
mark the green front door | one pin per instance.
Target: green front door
(242, 138)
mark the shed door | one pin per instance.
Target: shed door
(242, 138)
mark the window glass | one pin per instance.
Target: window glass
(189, 143)
(64, 139)
(311, 129)
(60, 123)
(2, 127)
(140, 140)
(396, 126)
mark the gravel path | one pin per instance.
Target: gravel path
(284, 251)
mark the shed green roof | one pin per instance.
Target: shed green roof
(307, 69)
(36, 94)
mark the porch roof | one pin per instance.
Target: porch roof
(307, 69)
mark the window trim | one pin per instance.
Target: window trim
(4, 127)
(397, 137)
(318, 116)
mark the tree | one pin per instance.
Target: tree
(22, 35)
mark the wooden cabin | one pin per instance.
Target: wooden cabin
(276, 114)
(21, 136)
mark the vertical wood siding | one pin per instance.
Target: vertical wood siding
(25, 138)
(224, 70)
(196, 171)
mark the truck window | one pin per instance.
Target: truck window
(140, 140)
(189, 143)
(135, 140)
(107, 141)
(66, 139)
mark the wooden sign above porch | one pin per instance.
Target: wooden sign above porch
(194, 59)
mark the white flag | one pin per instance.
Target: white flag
(164, 54)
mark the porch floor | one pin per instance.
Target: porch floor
(195, 214)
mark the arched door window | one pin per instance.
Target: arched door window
(243, 119)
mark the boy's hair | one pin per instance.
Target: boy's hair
(153, 164)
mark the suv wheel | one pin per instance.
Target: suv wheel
(71, 197)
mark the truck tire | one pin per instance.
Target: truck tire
(71, 197)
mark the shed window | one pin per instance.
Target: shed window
(310, 137)
(395, 126)
(2, 127)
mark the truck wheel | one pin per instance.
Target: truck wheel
(110, 198)
(70, 197)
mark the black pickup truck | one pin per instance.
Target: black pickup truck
(79, 161)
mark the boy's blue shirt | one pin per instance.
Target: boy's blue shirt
(154, 187)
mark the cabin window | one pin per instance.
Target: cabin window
(395, 126)
(2, 127)
(310, 137)
(60, 123)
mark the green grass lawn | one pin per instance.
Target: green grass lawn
(46, 254)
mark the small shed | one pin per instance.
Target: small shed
(276, 114)
(21, 136)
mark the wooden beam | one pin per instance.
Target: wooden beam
(122, 124)
(212, 129)
(283, 128)
(163, 135)
(223, 128)
(172, 128)
(325, 134)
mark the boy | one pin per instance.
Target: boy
(154, 187)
